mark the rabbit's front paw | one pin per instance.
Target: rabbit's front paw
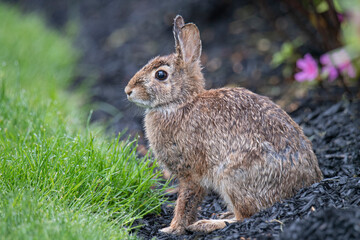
(171, 230)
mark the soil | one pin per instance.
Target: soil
(239, 38)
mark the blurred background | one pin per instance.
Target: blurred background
(254, 44)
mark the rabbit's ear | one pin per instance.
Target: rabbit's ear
(187, 40)
(178, 24)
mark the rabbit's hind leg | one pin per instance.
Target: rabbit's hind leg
(210, 225)
(244, 206)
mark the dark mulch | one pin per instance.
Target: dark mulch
(326, 210)
(331, 223)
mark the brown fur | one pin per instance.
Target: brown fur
(233, 141)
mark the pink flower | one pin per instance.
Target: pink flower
(329, 69)
(338, 61)
(343, 62)
(309, 69)
(349, 69)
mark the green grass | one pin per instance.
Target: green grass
(60, 178)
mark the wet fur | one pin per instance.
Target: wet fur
(233, 141)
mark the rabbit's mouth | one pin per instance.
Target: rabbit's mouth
(140, 103)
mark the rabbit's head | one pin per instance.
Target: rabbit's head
(172, 79)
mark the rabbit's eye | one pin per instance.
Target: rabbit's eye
(161, 75)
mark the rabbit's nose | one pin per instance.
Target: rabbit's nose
(128, 91)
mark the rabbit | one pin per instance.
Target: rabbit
(230, 140)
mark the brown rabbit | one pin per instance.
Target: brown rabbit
(238, 143)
